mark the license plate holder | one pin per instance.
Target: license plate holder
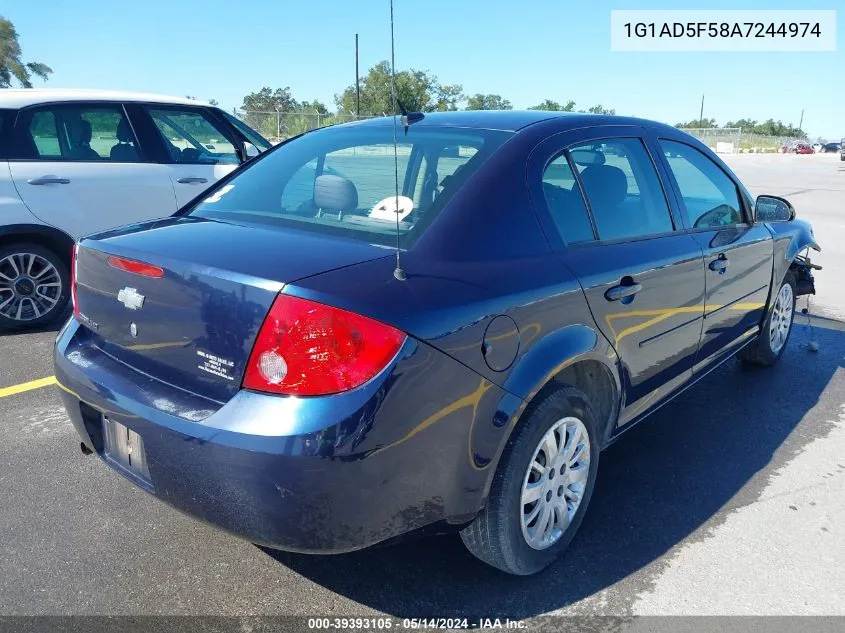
(124, 449)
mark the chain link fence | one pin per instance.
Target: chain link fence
(731, 140)
(278, 126)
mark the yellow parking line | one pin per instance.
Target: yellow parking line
(27, 386)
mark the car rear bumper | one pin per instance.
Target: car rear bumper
(411, 448)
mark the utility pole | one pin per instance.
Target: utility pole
(357, 81)
(701, 113)
(801, 123)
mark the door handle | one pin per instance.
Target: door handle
(622, 291)
(48, 180)
(192, 180)
(719, 265)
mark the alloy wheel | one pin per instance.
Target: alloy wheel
(781, 320)
(30, 286)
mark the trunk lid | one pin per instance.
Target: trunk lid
(194, 327)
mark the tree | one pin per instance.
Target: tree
(11, 65)
(767, 128)
(268, 100)
(449, 96)
(554, 106)
(696, 123)
(599, 109)
(418, 90)
(262, 110)
(488, 102)
(213, 102)
(315, 107)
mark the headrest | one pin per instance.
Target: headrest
(189, 155)
(124, 132)
(79, 131)
(606, 186)
(335, 193)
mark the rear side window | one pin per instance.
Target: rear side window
(344, 180)
(45, 134)
(81, 133)
(565, 202)
(710, 197)
(622, 189)
(193, 137)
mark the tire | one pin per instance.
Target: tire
(497, 535)
(34, 286)
(766, 350)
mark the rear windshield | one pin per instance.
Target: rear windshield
(342, 181)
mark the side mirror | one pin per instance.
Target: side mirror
(773, 209)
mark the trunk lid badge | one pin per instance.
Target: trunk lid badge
(131, 298)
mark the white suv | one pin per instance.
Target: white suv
(76, 162)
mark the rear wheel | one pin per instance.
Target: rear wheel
(542, 487)
(34, 286)
(769, 346)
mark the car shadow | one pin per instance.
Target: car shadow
(53, 326)
(713, 447)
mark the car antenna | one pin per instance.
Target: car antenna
(408, 118)
(398, 273)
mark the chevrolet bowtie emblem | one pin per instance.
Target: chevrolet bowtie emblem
(131, 298)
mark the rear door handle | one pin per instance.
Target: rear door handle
(719, 265)
(192, 180)
(622, 291)
(48, 180)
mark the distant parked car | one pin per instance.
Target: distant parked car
(842, 150)
(803, 148)
(817, 147)
(321, 363)
(74, 162)
(830, 148)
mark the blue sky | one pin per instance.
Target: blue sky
(526, 51)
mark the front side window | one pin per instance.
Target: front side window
(711, 198)
(81, 133)
(192, 137)
(251, 135)
(344, 180)
(565, 202)
(622, 188)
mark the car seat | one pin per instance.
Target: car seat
(79, 135)
(334, 194)
(606, 188)
(125, 150)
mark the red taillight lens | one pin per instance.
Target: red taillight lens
(310, 349)
(137, 268)
(73, 280)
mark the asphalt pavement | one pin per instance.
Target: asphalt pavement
(728, 501)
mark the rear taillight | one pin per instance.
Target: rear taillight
(310, 349)
(136, 268)
(73, 299)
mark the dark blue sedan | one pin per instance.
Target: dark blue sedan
(353, 338)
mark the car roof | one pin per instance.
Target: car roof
(512, 120)
(22, 97)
